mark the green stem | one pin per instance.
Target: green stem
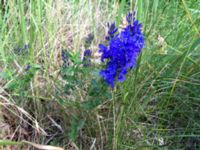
(23, 22)
(114, 123)
(120, 117)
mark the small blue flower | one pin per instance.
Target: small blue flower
(22, 50)
(26, 46)
(65, 58)
(87, 53)
(88, 40)
(27, 67)
(86, 58)
(111, 31)
(122, 50)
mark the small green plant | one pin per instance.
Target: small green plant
(83, 90)
(18, 83)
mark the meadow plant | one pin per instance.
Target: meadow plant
(121, 50)
(22, 50)
(87, 58)
(65, 58)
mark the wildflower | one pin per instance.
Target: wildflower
(121, 51)
(89, 39)
(27, 67)
(22, 51)
(26, 46)
(111, 31)
(87, 53)
(86, 58)
(65, 58)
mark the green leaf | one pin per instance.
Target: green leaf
(195, 44)
(36, 66)
(69, 71)
(76, 125)
(12, 85)
(5, 75)
(139, 8)
(120, 11)
(91, 104)
(9, 142)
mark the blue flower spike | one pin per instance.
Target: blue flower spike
(111, 31)
(121, 52)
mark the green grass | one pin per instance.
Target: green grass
(157, 107)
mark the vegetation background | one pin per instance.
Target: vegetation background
(47, 100)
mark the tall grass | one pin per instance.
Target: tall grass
(156, 108)
(159, 99)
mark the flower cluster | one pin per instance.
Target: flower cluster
(121, 50)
